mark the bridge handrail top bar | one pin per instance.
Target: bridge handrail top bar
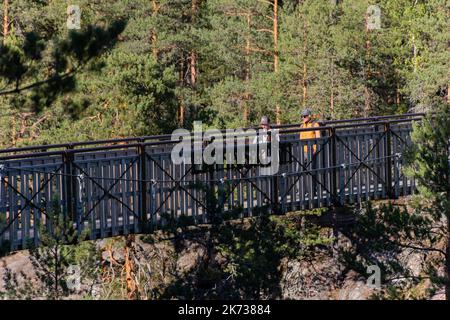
(29, 155)
(142, 140)
(67, 151)
(350, 125)
(330, 122)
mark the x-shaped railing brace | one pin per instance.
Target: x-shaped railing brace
(29, 202)
(361, 162)
(252, 183)
(107, 192)
(177, 185)
(305, 170)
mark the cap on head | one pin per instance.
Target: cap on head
(264, 120)
(306, 112)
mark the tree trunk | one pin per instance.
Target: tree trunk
(448, 92)
(13, 129)
(56, 288)
(247, 69)
(305, 87)
(276, 54)
(332, 95)
(447, 255)
(181, 107)
(275, 36)
(5, 35)
(415, 60)
(5, 20)
(193, 55)
(181, 112)
(447, 262)
(367, 73)
(448, 86)
(154, 37)
(193, 67)
(305, 69)
(132, 289)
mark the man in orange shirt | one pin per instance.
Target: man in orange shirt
(310, 149)
(306, 135)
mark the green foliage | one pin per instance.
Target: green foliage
(52, 261)
(4, 245)
(53, 257)
(429, 156)
(45, 70)
(22, 64)
(148, 90)
(251, 249)
(382, 234)
(251, 252)
(215, 60)
(135, 65)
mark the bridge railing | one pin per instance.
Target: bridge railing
(132, 185)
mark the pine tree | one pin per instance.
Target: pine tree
(429, 165)
(246, 61)
(58, 251)
(41, 64)
(389, 230)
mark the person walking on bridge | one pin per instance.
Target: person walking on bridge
(308, 139)
(266, 180)
(264, 125)
(307, 122)
(264, 136)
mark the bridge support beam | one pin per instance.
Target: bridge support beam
(275, 195)
(334, 187)
(143, 188)
(389, 158)
(69, 183)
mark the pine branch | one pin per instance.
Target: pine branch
(39, 83)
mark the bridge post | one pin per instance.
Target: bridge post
(213, 206)
(143, 186)
(275, 195)
(220, 194)
(388, 163)
(334, 188)
(334, 170)
(69, 182)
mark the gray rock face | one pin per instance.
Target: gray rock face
(190, 257)
(318, 277)
(322, 280)
(309, 279)
(17, 262)
(354, 288)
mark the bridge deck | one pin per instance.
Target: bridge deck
(133, 184)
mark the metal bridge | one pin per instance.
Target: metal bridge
(123, 186)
